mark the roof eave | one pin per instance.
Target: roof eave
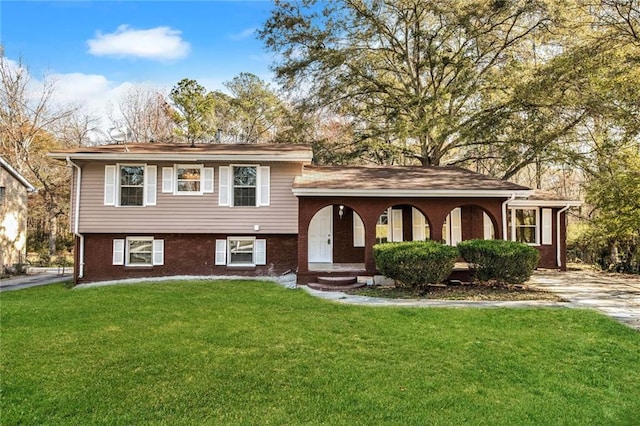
(133, 156)
(545, 203)
(13, 172)
(397, 193)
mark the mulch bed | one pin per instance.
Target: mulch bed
(463, 291)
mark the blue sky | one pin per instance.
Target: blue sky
(96, 49)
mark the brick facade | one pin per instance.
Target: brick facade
(184, 254)
(435, 211)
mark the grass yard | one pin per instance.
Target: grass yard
(247, 352)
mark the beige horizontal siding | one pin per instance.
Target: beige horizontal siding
(190, 213)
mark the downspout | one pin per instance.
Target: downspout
(558, 251)
(504, 215)
(76, 220)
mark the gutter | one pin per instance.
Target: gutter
(558, 251)
(504, 215)
(76, 220)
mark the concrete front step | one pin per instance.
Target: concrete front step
(335, 287)
(337, 281)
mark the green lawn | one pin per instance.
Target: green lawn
(247, 352)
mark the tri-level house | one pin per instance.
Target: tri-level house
(147, 210)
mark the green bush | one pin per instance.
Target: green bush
(504, 261)
(415, 264)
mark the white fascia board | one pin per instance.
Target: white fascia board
(544, 203)
(324, 192)
(13, 172)
(128, 156)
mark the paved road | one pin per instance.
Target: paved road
(36, 277)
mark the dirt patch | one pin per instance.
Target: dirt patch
(473, 292)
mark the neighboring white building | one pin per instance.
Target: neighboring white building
(13, 220)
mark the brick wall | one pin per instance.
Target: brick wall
(184, 254)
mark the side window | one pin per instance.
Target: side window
(2, 191)
(523, 225)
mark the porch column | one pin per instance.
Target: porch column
(303, 236)
(369, 242)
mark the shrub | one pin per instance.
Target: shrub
(415, 264)
(504, 261)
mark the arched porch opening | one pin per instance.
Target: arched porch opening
(336, 239)
(402, 222)
(468, 222)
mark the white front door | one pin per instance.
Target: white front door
(320, 236)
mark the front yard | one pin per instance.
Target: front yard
(249, 352)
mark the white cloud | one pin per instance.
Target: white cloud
(160, 43)
(249, 32)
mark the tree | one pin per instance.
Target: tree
(411, 74)
(193, 111)
(26, 120)
(147, 115)
(77, 128)
(256, 109)
(614, 194)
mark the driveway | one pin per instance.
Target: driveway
(615, 295)
(36, 277)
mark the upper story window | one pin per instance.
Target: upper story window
(188, 179)
(132, 185)
(2, 190)
(523, 225)
(245, 183)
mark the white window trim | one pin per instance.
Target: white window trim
(512, 225)
(175, 179)
(231, 185)
(126, 251)
(255, 261)
(253, 253)
(144, 184)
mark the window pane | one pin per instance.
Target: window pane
(131, 196)
(188, 179)
(241, 251)
(245, 176)
(244, 196)
(382, 228)
(140, 252)
(132, 175)
(526, 235)
(526, 217)
(189, 186)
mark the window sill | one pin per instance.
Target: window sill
(241, 267)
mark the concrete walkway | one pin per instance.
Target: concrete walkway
(36, 277)
(615, 295)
